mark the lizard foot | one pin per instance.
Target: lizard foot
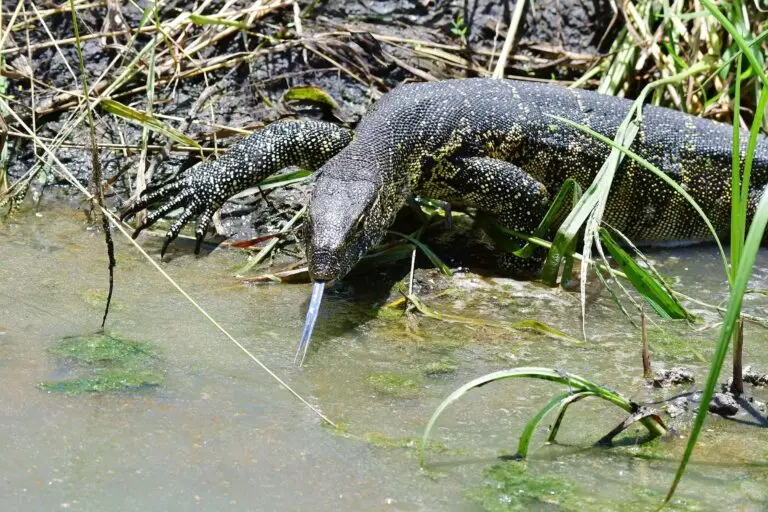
(195, 191)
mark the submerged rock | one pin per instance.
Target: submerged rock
(677, 407)
(673, 377)
(724, 404)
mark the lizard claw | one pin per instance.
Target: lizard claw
(168, 240)
(176, 227)
(202, 228)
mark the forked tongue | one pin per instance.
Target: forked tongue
(309, 323)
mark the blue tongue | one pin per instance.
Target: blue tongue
(309, 323)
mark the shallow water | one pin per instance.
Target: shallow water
(220, 434)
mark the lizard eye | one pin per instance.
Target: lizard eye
(359, 223)
(365, 214)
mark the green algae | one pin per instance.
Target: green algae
(389, 313)
(440, 368)
(383, 441)
(114, 380)
(104, 362)
(380, 440)
(653, 449)
(510, 486)
(411, 444)
(394, 384)
(667, 346)
(97, 297)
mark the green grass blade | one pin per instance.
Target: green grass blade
(751, 146)
(570, 189)
(738, 223)
(150, 122)
(567, 234)
(500, 235)
(436, 261)
(751, 248)
(530, 427)
(656, 295)
(280, 180)
(542, 328)
(572, 398)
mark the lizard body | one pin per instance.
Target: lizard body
(487, 144)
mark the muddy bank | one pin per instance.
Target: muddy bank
(215, 80)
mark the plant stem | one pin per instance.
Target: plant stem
(737, 382)
(646, 355)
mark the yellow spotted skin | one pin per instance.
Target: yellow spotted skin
(487, 144)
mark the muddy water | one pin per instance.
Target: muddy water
(220, 434)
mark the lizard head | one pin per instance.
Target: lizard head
(345, 219)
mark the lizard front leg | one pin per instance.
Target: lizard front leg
(204, 188)
(501, 189)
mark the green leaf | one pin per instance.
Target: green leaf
(310, 93)
(655, 294)
(148, 121)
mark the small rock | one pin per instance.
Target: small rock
(677, 406)
(672, 377)
(723, 404)
(674, 410)
(755, 378)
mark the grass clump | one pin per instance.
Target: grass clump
(394, 384)
(104, 362)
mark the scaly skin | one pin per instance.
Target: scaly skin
(480, 143)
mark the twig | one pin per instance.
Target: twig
(517, 15)
(96, 178)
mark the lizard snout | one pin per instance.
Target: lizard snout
(324, 264)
